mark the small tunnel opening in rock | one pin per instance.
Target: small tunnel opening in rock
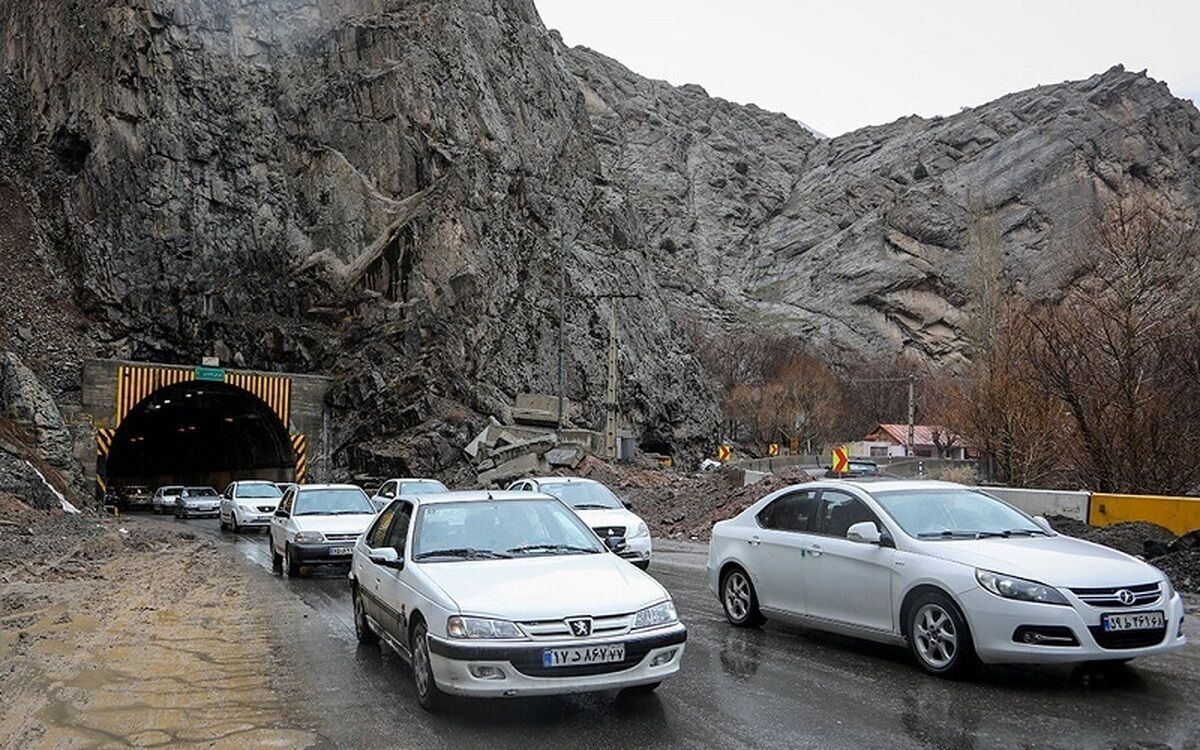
(200, 434)
(70, 149)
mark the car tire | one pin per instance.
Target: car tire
(233, 524)
(276, 558)
(740, 600)
(221, 522)
(643, 564)
(429, 695)
(938, 636)
(291, 569)
(362, 630)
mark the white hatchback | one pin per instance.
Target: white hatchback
(317, 524)
(249, 504)
(955, 573)
(599, 508)
(497, 594)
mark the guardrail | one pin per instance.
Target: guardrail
(1179, 514)
(1045, 502)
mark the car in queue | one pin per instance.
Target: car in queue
(198, 502)
(394, 488)
(249, 504)
(317, 524)
(956, 574)
(599, 508)
(855, 468)
(165, 498)
(503, 594)
(135, 497)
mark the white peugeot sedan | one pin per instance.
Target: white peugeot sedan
(498, 594)
(394, 488)
(249, 504)
(599, 508)
(317, 524)
(164, 498)
(954, 572)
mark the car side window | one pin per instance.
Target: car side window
(795, 511)
(398, 533)
(388, 490)
(285, 505)
(377, 535)
(840, 511)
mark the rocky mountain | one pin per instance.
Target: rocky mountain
(385, 191)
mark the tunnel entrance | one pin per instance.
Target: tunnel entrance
(200, 433)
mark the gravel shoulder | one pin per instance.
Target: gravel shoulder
(128, 633)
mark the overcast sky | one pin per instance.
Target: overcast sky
(841, 64)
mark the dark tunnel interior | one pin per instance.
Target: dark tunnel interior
(200, 433)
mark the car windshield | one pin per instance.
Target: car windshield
(456, 531)
(172, 490)
(258, 490)
(582, 495)
(200, 492)
(954, 514)
(426, 487)
(331, 502)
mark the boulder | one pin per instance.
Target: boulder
(25, 401)
(568, 455)
(520, 466)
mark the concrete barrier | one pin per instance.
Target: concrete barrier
(1179, 514)
(1044, 502)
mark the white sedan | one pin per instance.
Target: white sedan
(599, 508)
(956, 574)
(404, 487)
(317, 524)
(249, 504)
(499, 594)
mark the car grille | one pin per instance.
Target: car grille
(602, 627)
(606, 531)
(1107, 597)
(1127, 638)
(341, 537)
(266, 508)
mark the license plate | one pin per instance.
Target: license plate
(340, 551)
(571, 657)
(1132, 621)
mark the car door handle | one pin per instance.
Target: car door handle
(754, 541)
(815, 550)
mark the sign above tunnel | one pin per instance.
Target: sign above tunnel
(211, 373)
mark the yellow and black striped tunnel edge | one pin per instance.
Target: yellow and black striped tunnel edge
(300, 448)
(104, 438)
(136, 382)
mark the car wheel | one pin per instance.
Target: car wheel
(290, 568)
(643, 564)
(938, 636)
(362, 629)
(740, 600)
(233, 524)
(429, 695)
(276, 558)
(221, 522)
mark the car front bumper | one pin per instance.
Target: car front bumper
(523, 674)
(252, 518)
(322, 553)
(637, 549)
(994, 622)
(194, 512)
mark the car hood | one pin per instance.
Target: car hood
(545, 588)
(255, 502)
(355, 524)
(1062, 561)
(609, 517)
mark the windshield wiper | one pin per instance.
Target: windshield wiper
(592, 506)
(568, 548)
(464, 552)
(946, 534)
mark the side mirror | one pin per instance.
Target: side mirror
(388, 557)
(280, 513)
(628, 505)
(864, 532)
(1043, 524)
(615, 543)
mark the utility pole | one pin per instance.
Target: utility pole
(562, 323)
(610, 396)
(912, 413)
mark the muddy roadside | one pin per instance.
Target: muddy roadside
(126, 632)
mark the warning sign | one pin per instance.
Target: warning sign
(723, 453)
(841, 460)
(773, 449)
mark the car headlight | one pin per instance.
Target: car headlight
(1168, 589)
(640, 530)
(1011, 587)
(662, 613)
(308, 537)
(481, 627)
(247, 508)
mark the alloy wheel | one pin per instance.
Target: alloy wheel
(935, 636)
(737, 595)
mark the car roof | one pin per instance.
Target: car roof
(560, 480)
(479, 496)
(412, 479)
(871, 486)
(254, 481)
(303, 487)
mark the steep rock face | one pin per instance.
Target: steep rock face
(874, 244)
(374, 191)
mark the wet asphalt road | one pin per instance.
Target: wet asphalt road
(776, 687)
